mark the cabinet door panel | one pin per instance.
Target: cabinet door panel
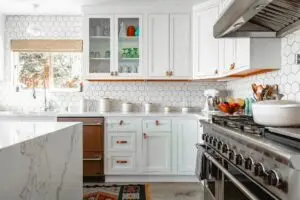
(93, 137)
(157, 152)
(229, 53)
(242, 57)
(180, 45)
(158, 44)
(206, 57)
(187, 137)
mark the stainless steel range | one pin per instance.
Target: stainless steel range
(241, 160)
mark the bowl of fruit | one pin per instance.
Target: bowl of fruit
(231, 106)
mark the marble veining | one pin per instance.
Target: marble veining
(42, 163)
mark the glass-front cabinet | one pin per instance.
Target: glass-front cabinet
(100, 45)
(114, 46)
(129, 45)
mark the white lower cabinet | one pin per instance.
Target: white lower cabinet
(157, 152)
(186, 132)
(162, 146)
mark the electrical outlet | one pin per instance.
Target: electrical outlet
(297, 59)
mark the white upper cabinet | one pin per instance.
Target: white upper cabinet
(129, 45)
(159, 43)
(244, 56)
(206, 59)
(2, 20)
(169, 46)
(180, 46)
(113, 46)
(98, 46)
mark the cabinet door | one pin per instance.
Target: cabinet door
(229, 53)
(242, 56)
(187, 137)
(128, 40)
(157, 152)
(206, 50)
(93, 137)
(159, 44)
(98, 47)
(180, 45)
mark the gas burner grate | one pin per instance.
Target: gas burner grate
(242, 123)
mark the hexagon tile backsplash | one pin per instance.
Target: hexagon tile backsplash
(288, 78)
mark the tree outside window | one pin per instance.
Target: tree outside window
(50, 70)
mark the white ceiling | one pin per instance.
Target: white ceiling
(64, 7)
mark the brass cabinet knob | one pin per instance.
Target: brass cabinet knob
(232, 66)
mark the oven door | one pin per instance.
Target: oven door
(236, 185)
(213, 177)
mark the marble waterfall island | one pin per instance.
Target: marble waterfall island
(41, 161)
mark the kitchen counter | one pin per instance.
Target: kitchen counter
(134, 114)
(40, 160)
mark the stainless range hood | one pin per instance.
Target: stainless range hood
(259, 18)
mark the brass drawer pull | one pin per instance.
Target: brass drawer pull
(121, 161)
(121, 142)
(157, 122)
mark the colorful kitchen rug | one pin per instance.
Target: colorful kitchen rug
(117, 192)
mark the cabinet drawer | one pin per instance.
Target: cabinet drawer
(93, 168)
(121, 162)
(121, 141)
(123, 124)
(156, 125)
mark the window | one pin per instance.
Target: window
(52, 70)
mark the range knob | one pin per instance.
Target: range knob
(225, 148)
(231, 154)
(215, 142)
(204, 136)
(248, 163)
(211, 138)
(220, 144)
(259, 169)
(239, 159)
(274, 178)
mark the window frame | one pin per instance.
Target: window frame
(15, 73)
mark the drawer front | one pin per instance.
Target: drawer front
(93, 168)
(121, 162)
(121, 141)
(156, 125)
(121, 124)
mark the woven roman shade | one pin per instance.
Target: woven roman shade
(46, 45)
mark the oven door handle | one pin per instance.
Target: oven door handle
(232, 178)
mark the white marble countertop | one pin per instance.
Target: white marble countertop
(133, 114)
(17, 132)
(26, 114)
